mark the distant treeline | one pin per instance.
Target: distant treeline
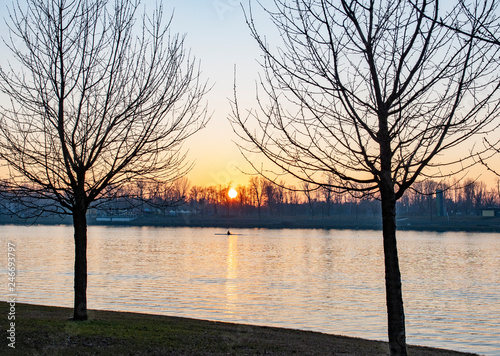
(263, 198)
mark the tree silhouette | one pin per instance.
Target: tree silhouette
(100, 97)
(479, 20)
(257, 187)
(372, 94)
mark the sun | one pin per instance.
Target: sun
(232, 193)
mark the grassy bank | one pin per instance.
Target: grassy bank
(41, 330)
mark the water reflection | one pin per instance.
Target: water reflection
(329, 281)
(232, 273)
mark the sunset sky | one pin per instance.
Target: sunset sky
(217, 35)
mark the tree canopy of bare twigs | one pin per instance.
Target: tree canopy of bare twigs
(485, 15)
(346, 69)
(373, 94)
(96, 95)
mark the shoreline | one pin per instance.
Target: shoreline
(46, 330)
(436, 224)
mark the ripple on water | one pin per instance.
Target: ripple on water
(328, 281)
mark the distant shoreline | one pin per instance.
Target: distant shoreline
(437, 224)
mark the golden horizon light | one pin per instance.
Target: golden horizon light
(232, 193)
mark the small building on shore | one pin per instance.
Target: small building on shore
(490, 212)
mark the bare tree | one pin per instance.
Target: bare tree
(163, 195)
(257, 187)
(100, 96)
(327, 194)
(480, 20)
(243, 197)
(180, 189)
(373, 94)
(293, 199)
(309, 192)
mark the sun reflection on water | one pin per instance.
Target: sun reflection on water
(232, 273)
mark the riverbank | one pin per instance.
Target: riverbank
(415, 223)
(42, 330)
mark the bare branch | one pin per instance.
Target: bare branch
(95, 106)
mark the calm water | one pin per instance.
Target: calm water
(328, 281)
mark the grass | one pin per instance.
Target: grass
(42, 330)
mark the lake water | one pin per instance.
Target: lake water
(323, 280)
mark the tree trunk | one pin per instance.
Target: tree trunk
(80, 226)
(394, 296)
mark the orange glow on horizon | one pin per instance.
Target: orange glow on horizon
(232, 193)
